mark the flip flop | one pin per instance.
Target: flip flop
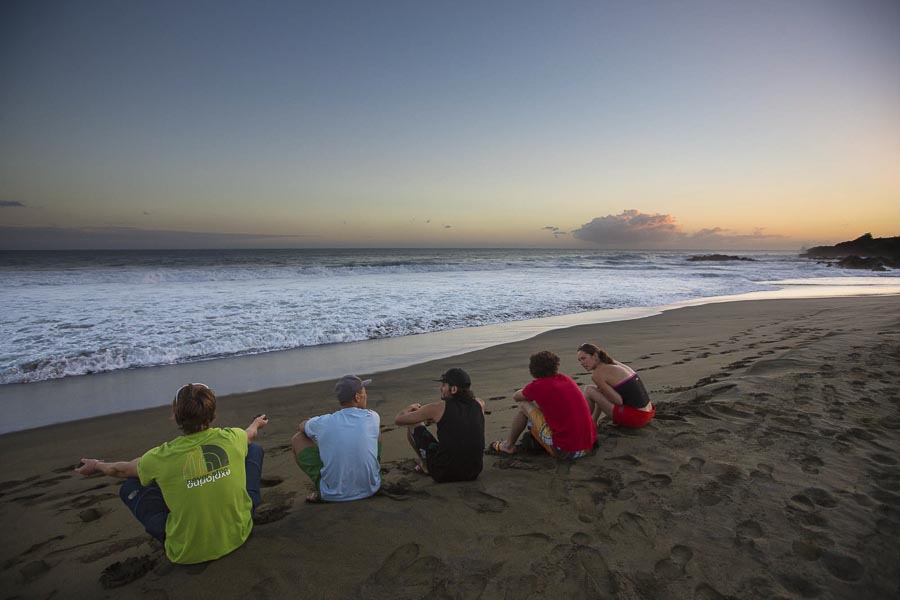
(494, 449)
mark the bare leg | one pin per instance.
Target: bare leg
(590, 392)
(599, 404)
(519, 422)
(423, 468)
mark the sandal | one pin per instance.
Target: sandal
(495, 449)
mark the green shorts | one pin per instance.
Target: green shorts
(310, 463)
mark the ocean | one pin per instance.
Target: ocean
(72, 314)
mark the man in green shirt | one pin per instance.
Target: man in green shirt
(196, 494)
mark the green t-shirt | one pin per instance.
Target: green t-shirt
(204, 484)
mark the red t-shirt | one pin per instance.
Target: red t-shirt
(565, 410)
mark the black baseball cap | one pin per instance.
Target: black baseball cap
(457, 377)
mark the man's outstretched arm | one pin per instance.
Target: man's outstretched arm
(123, 469)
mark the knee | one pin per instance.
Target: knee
(129, 488)
(255, 451)
(299, 441)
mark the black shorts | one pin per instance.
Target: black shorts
(426, 444)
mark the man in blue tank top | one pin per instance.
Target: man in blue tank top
(457, 452)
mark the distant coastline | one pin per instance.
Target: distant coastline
(865, 252)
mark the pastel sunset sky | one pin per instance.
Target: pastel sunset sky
(652, 124)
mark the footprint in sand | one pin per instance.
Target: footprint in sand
(674, 566)
(34, 570)
(580, 538)
(627, 458)
(799, 585)
(711, 494)
(8, 564)
(805, 550)
(275, 507)
(802, 502)
(91, 514)
(694, 464)
(811, 464)
(395, 564)
(482, 502)
(124, 572)
(271, 481)
(843, 567)
(660, 480)
(401, 490)
(516, 463)
(631, 525)
(276, 450)
(404, 567)
(606, 482)
(749, 530)
(820, 497)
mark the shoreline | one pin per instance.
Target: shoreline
(33, 405)
(770, 470)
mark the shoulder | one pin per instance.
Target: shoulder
(153, 453)
(361, 414)
(615, 373)
(232, 433)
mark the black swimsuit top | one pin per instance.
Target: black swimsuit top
(633, 392)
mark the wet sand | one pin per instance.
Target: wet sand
(771, 470)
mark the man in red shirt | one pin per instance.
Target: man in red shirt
(553, 408)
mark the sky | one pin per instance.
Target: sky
(651, 124)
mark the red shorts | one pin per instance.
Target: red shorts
(628, 416)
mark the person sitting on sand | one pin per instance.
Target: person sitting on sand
(457, 453)
(197, 493)
(553, 410)
(617, 390)
(341, 452)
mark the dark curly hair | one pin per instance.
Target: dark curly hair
(194, 407)
(543, 364)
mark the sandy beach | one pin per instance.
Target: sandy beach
(771, 470)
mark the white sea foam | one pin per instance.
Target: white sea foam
(72, 314)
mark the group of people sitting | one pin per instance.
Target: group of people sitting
(197, 494)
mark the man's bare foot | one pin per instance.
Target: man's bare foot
(500, 447)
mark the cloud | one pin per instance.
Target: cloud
(11, 204)
(103, 238)
(634, 229)
(554, 230)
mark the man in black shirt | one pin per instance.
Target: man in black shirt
(456, 454)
